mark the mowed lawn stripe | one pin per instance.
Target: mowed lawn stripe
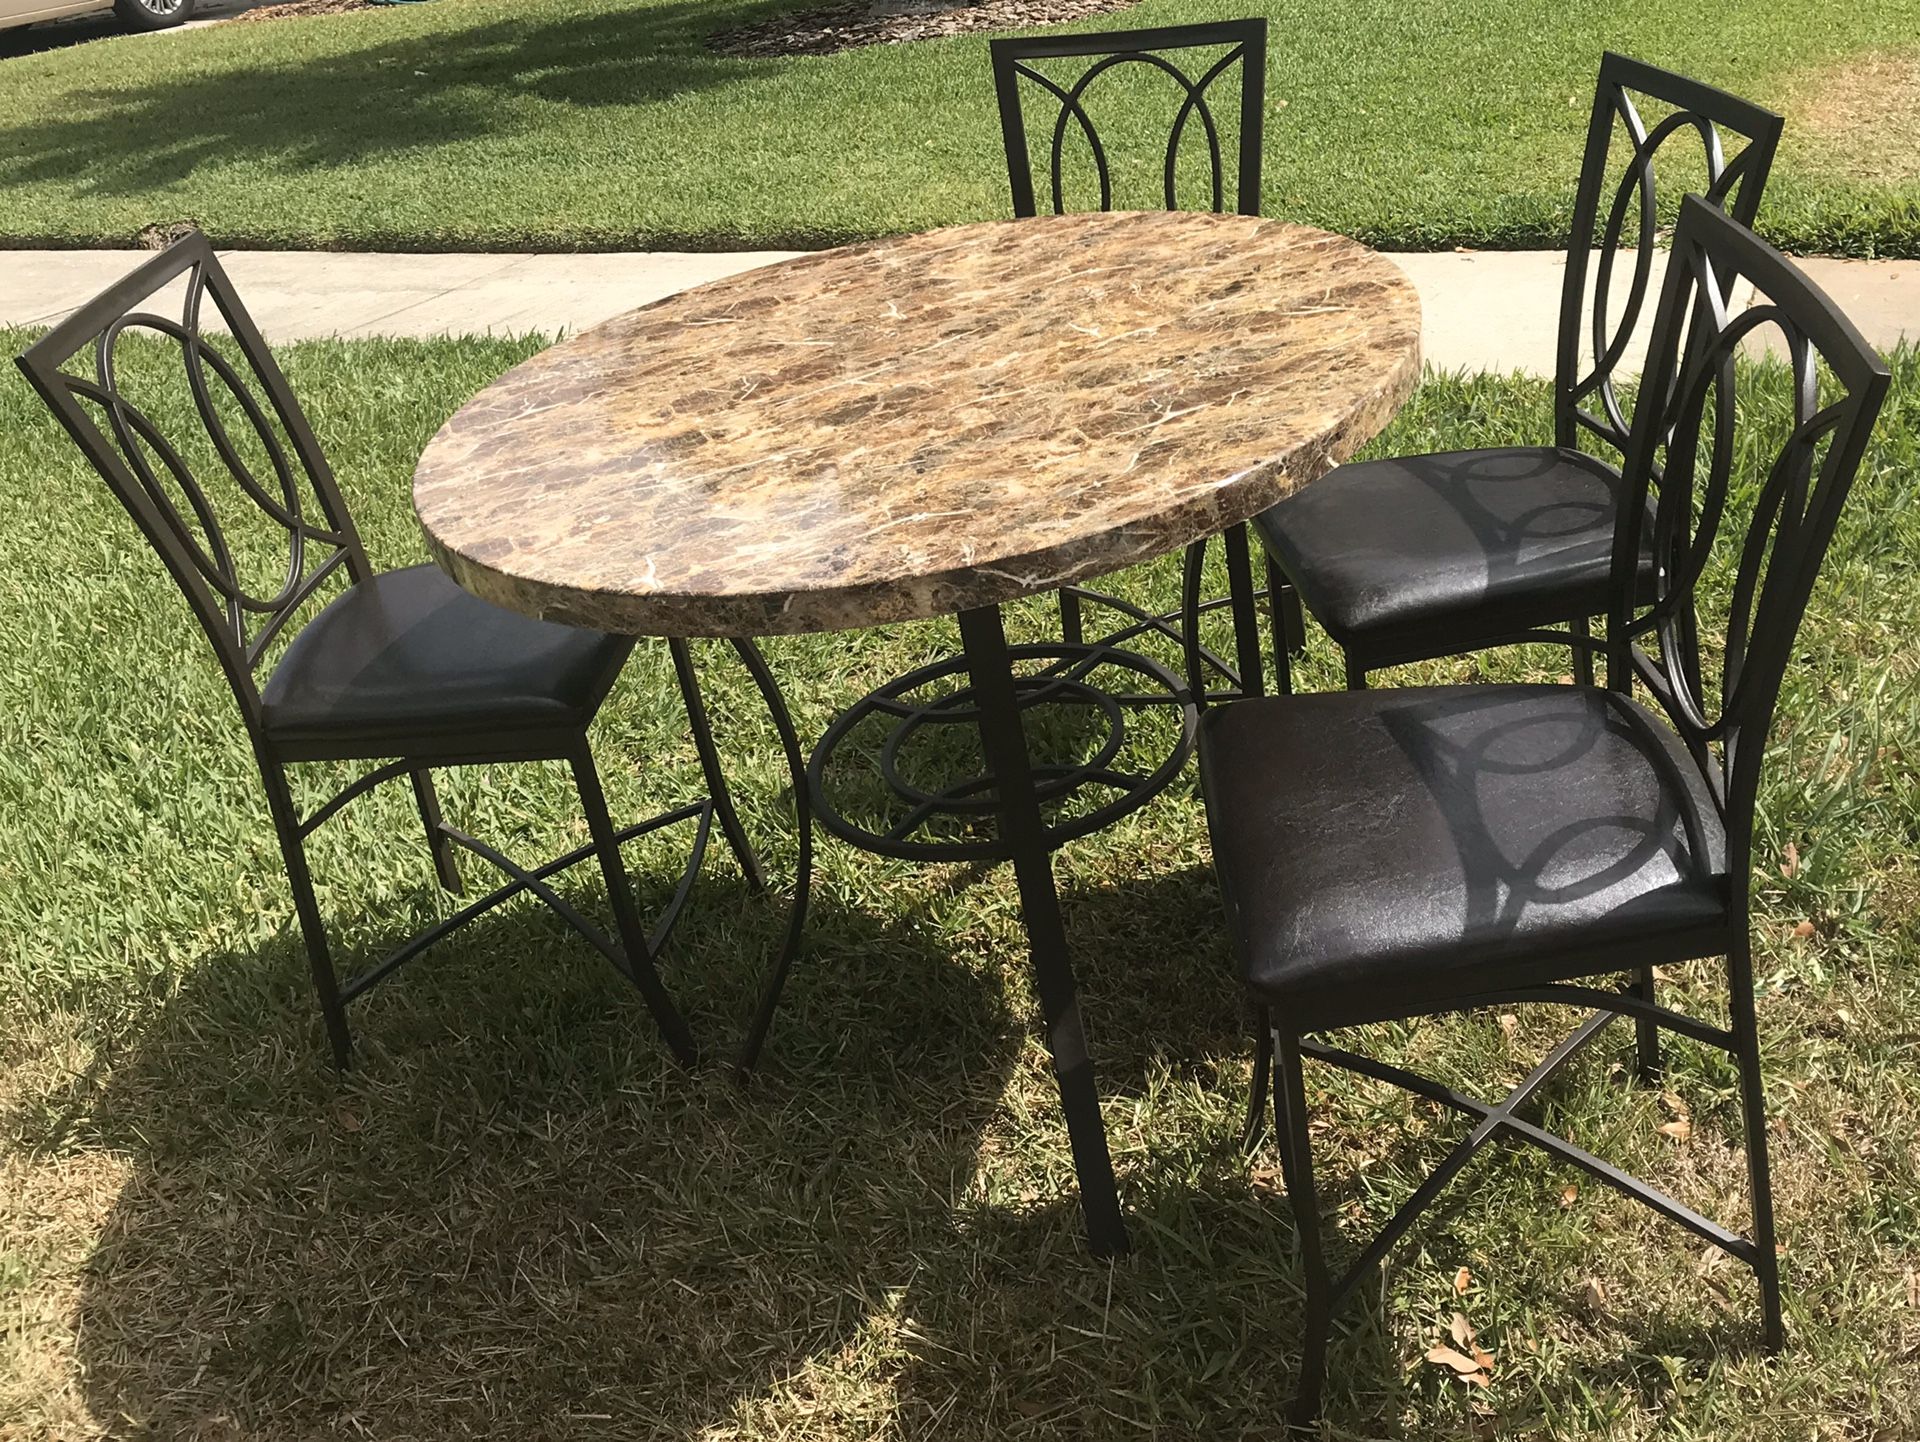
(610, 124)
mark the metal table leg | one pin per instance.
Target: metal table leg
(1005, 744)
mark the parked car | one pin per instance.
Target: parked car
(134, 14)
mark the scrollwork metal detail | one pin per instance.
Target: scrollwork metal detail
(1242, 48)
(1736, 146)
(1699, 492)
(172, 498)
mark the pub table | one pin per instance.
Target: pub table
(936, 424)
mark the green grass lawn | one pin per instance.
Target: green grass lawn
(557, 124)
(516, 1218)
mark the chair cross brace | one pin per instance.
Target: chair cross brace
(520, 879)
(1496, 1121)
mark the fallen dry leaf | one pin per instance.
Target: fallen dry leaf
(1446, 1357)
(1569, 1194)
(1509, 1024)
(1676, 1104)
(1679, 1129)
(1462, 1280)
(1913, 1287)
(1461, 1330)
(1803, 931)
(1595, 1294)
(349, 1121)
(1790, 861)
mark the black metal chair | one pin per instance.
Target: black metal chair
(1398, 853)
(1416, 557)
(401, 664)
(1213, 52)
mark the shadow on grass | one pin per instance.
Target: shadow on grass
(1156, 974)
(412, 95)
(516, 1217)
(1200, 1330)
(1198, 1335)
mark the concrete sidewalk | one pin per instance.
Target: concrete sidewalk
(1484, 310)
(297, 295)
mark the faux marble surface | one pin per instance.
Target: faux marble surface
(916, 426)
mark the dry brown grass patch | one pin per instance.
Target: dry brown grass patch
(1860, 116)
(55, 1208)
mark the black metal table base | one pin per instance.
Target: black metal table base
(998, 687)
(1026, 842)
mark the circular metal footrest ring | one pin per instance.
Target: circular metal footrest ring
(1061, 680)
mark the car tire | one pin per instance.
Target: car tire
(153, 14)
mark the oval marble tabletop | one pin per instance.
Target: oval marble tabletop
(917, 426)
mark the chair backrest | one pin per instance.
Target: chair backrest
(1597, 323)
(1697, 459)
(1194, 58)
(177, 480)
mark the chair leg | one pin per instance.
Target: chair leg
(306, 905)
(1356, 674)
(1283, 611)
(1646, 1032)
(1246, 613)
(1292, 618)
(1746, 1037)
(776, 980)
(1296, 1165)
(729, 819)
(1192, 574)
(1072, 628)
(633, 940)
(1582, 655)
(1256, 1123)
(428, 800)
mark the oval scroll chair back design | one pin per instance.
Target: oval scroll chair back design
(184, 492)
(1198, 63)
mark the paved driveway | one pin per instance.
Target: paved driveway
(58, 34)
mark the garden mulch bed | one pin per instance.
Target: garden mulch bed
(294, 9)
(887, 22)
(828, 29)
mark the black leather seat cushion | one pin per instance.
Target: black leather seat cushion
(409, 653)
(1435, 841)
(1490, 541)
